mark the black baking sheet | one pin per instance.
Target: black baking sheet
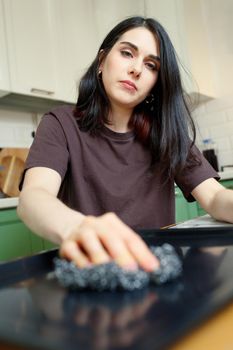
(37, 313)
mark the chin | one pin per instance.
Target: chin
(127, 103)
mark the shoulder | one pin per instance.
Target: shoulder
(60, 118)
(197, 171)
(57, 125)
(64, 112)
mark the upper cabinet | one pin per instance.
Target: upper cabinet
(30, 47)
(197, 48)
(79, 27)
(4, 72)
(74, 42)
(108, 13)
(47, 45)
(210, 44)
(185, 25)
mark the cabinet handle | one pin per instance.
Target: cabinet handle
(40, 91)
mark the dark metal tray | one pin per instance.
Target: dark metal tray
(37, 313)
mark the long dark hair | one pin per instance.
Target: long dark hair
(164, 125)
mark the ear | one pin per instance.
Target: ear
(101, 57)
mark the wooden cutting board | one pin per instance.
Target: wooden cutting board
(12, 165)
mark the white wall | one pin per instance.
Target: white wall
(16, 128)
(215, 120)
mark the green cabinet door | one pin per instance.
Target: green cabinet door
(16, 240)
(37, 243)
(227, 183)
(184, 210)
(49, 245)
(14, 237)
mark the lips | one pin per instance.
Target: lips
(128, 85)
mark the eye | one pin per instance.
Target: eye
(126, 53)
(152, 66)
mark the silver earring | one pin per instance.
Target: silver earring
(149, 99)
(100, 74)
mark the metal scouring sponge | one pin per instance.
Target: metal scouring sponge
(110, 276)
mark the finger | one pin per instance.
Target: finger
(116, 247)
(119, 252)
(133, 244)
(102, 244)
(70, 250)
(141, 252)
(94, 249)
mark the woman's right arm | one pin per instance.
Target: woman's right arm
(82, 239)
(40, 208)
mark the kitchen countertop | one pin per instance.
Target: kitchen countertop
(11, 202)
(202, 221)
(226, 175)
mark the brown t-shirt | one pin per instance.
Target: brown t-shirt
(109, 172)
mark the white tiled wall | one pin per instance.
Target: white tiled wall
(16, 128)
(214, 120)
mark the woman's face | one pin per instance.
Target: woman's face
(130, 70)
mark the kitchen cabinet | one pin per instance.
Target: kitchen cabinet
(80, 27)
(190, 41)
(74, 43)
(184, 210)
(47, 45)
(16, 240)
(28, 25)
(75, 55)
(4, 71)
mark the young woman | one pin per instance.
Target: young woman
(97, 172)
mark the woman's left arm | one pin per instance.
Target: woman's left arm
(215, 199)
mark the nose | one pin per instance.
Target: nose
(135, 69)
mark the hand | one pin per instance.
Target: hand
(98, 240)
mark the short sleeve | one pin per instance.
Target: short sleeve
(49, 148)
(195, 175)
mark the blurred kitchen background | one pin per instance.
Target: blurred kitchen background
(46, 45)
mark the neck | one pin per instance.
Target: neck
(119, 119)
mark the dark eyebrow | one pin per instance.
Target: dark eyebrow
(156, 58)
